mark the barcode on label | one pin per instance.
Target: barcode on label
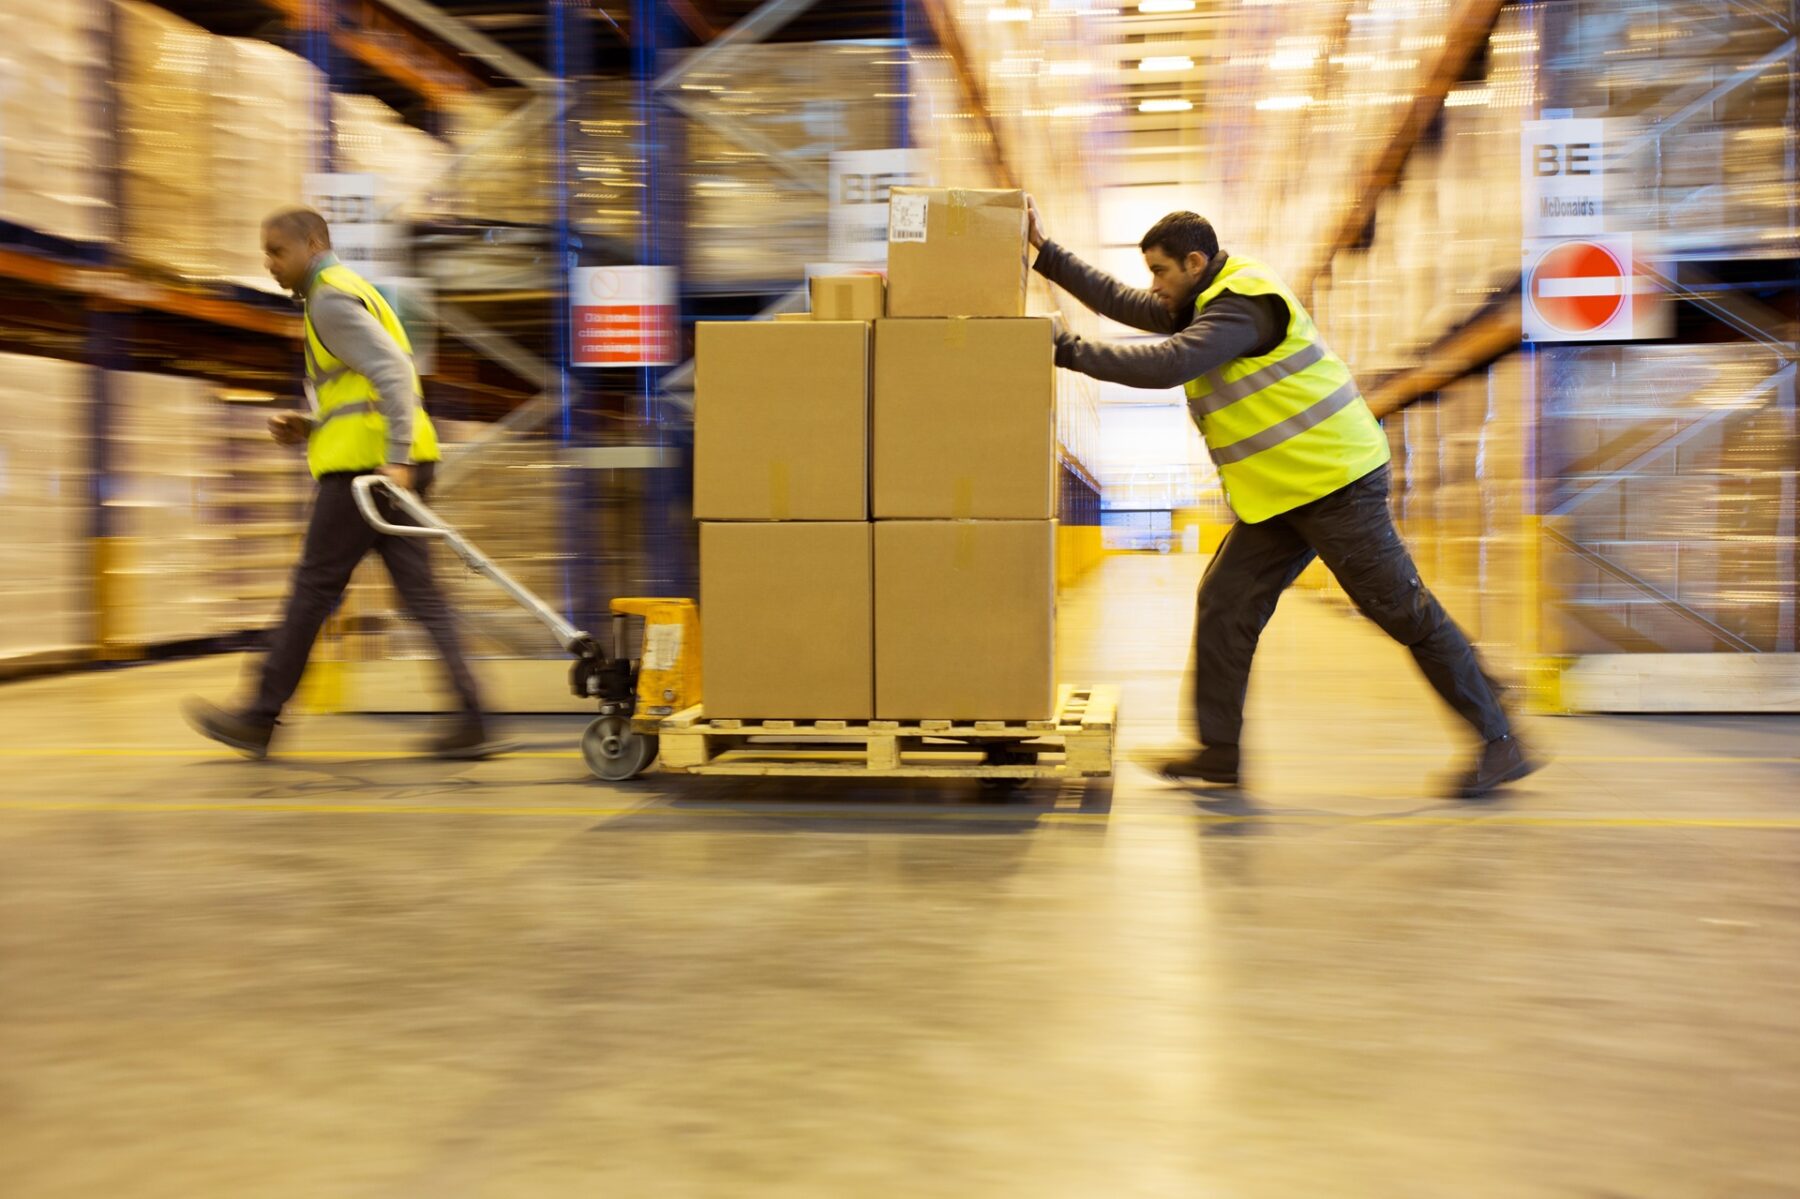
(906, 217)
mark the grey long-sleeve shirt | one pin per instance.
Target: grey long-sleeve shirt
(352, 333)
(1232, 326)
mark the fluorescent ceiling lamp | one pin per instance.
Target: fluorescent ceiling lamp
(1283, 103)
(1072, 67)
(1166, 106)
(1154, 6)
(1177, 62)
(999, 15)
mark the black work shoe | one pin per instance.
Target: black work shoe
(248, 737)
(467, 740)
(1503, 760)
(1210, 764)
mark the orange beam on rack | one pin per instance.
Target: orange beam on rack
(1459, 352)
(385, 44)
(943, 27)
(1465, 36)
(119, 287)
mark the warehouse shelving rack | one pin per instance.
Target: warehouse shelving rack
(1724, 285)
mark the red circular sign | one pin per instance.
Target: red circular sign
(1578, 286)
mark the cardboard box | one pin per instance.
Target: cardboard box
(786, 611)
(956, 252)
(848, 297)
(965, 420)
(793, 316)
(964, 620)
(781, 420)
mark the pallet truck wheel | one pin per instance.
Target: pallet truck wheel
(615, 751)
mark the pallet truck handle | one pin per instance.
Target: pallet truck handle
(431, 524)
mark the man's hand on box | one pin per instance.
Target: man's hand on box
(1034, 229)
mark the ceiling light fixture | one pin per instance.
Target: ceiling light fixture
(1013, 15)
(1164, 6)
(1174, 62)
(1166, 106)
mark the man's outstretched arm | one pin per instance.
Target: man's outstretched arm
(1232, 326)
(1101, 292)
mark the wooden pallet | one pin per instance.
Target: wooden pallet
(1077, 743)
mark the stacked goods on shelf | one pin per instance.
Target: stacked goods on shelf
(511, 177)
(263, 144)
(160, 459)
(253, 514)
(371, 138)
(1675, 466)
(165, 113)
(885, 550)
(51, 60)
(748, 220)
(1446, 238)
(1718, 182)
(44, 505)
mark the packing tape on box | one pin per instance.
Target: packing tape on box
(963, 556)
(780, 502)
(956, 220)
(962, 498)
(956, 336)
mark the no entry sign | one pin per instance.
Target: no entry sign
(1580, 289)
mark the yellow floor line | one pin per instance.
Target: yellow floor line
(351, 753)
(874, 814)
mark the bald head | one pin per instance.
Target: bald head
(303, 224)
(292, 238)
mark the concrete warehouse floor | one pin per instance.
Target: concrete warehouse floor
(348, 972)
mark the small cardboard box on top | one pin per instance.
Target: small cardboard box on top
(965, 619)
(788, 613)
(964, 420)
(956, 251)
(848, 297)
(781, 420)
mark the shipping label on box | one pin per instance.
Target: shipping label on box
(787, 613)
(956, 252)
(965, 420)
(781, 420)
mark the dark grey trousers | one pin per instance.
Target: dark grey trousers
(1353, 531)
(337, 538)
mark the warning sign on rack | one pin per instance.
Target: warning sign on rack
(623, 316)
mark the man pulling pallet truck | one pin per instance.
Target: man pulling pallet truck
(367, 418)
(1304, 466)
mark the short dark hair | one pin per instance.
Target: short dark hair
(1180, 234)
(303, 223)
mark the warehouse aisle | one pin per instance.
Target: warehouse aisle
(348, 972)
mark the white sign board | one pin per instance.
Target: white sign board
(1564, 172)
(860, 180)
(623, 316)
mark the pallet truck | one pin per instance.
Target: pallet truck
(653, 703)
(633, 695)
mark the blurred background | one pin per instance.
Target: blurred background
(1607, 503)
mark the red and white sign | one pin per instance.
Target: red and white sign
(1588, 289)
(624, 316)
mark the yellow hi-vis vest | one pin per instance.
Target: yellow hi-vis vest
(1287, 427)
(348, 433)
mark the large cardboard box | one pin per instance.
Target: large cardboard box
(786, 610)
(848, 297)
(781, 420)
(965, 420)
(956, 252)
(964, 620)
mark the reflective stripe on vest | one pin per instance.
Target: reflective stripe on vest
(1287, 427)
(339, 443)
